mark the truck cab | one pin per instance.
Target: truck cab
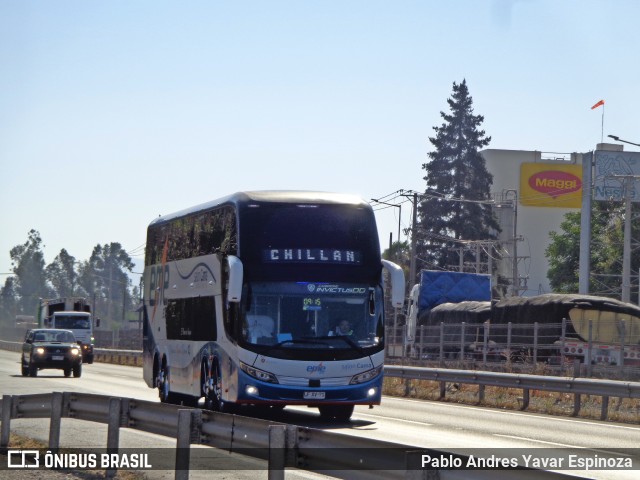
(70, 314)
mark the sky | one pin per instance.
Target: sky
(112, 113)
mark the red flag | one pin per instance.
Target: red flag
(601, 102)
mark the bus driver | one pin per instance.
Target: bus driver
(343, 328)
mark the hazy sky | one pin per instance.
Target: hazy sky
(112, 113)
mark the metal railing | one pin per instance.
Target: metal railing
(576, 386)
(281, 445)
(518, 346)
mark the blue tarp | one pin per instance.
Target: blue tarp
(437, 287)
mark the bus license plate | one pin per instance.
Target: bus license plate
(314, 395)
(57, 357)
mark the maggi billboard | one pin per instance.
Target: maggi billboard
(550, 185)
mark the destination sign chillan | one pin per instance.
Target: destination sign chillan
(312, 255)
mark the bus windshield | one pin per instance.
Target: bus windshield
(294, 315)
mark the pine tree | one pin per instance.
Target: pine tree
(458, 183)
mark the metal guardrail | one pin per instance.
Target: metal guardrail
(282, 445)
(575, 386)
(572, 385)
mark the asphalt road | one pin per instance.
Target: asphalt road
(424, 424)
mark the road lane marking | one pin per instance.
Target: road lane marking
(522, 414)
(422, 424)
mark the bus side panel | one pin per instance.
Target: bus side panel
(226, 355)
(175, 289)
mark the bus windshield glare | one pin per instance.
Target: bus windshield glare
(312, 315)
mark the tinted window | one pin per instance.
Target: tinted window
(191, 319)
(338, 233)
(195, 235)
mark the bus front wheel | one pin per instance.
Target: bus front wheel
(342, 413)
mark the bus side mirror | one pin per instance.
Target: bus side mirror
(234, 293)
(397, 283)
(97, 322)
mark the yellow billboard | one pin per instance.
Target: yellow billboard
(550, 185)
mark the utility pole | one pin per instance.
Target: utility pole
(515, 279)
(414, 228)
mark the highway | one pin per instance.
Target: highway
(425, 424)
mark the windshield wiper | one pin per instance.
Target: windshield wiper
(347, 339)
(304, 340)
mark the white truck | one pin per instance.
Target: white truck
(70, 313)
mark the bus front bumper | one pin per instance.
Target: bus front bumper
(254, 391)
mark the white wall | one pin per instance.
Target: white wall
(534, 223)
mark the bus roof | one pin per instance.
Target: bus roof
(269, 196)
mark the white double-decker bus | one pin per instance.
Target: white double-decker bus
(272, 297)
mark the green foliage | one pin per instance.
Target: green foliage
(103, 279)
(9, 301)
(104, 275)
(400, 254)
(63, 276)
(564, 255)
(455, 171)
(607, 239)
(27, 261)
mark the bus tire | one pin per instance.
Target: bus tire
(214, 400)
(162, 382)
(341, 413)
(206, 385)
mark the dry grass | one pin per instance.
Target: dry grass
(620, 410)
(25, 443)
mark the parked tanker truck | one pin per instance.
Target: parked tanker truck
(70, 313)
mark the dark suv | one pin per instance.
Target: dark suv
(51, 348)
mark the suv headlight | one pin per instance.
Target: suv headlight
(75, 351)
(365, 376)
(40, 351)
(259, 374)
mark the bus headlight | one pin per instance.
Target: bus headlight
(259, 374)
(365, 376)
(75, 351)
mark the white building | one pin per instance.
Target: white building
(546, 186)
(539, 211)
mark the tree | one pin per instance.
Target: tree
(458, 185)
(8, 301)
(27, 262)
(563, 254)
(400, 253)
(62, 274)
(104, 278)
(607, 237)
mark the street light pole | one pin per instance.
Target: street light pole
(618, 139)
